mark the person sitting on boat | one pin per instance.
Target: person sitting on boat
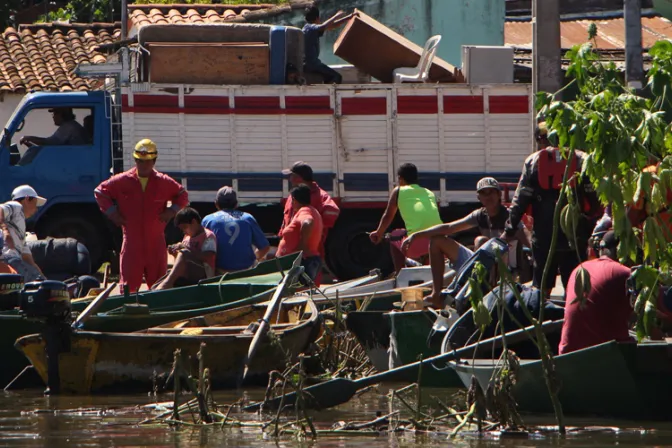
(604, 314)
(13, 215)
(195, 255)
(489, 219)
(240, 241)
(304, 232)
(419, 211)
(302, 174)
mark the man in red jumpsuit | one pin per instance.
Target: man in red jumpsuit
(137, 200)
(301, 173)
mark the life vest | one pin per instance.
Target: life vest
(551, 169)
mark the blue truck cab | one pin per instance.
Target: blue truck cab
(65, 175)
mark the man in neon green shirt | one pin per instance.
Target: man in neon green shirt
(419, 211)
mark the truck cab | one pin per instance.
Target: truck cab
(66, 175)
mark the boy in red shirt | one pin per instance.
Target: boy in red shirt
(304, 232)
(606, 312)
(195, 255)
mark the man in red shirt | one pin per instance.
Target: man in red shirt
(302, 174)
(137, 201)
(304, 232)
(605, 314)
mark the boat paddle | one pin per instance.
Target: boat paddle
(340, 390)
(93, 306)
(295, 271)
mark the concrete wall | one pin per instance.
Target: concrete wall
(460, 22)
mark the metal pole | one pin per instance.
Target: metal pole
(634, 65)
(546, 68)
(125, 69)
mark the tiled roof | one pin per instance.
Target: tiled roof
(610, 32)
(202, 13)
(43, 56)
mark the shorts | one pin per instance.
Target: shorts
(419, 248)
(312, 266)
(463, 255)
(27, 271)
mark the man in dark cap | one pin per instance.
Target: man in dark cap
(69, 131)
(302, 174)
(240, 240)
(604, 312)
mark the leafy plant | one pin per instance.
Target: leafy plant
(628, 141)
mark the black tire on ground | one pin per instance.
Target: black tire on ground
(350, 253)
(79, 228)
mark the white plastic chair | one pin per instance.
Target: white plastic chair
(421, 72)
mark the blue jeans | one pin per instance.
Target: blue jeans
(27, 271)
(312, 266)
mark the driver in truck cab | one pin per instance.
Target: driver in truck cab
(136, 200)
(69, 131)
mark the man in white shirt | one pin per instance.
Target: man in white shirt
(69, 131)
(13, 215)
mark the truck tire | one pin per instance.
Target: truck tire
(84, 231)
(350, 253)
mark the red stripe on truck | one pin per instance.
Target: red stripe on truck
(509, 104)
(257, 105)
(214, 105)
(417, 104)
(364, 106)
(158, 104)
(463, 104)
(308, 105)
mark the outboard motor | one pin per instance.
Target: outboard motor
(10, 291)
(48, 301)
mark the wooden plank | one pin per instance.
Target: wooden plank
(215, 63)
(377, 50)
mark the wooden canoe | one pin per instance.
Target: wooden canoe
(124, 362)
(610, 380)
(122, 314)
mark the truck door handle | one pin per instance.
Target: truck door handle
(85, 179)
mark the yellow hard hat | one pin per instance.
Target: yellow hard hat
(145, 150)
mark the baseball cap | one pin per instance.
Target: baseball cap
(488, 182)
(26, 191)
(145, 149)
(226, 194)
(300, 169)
(67, 110)
(609, 240)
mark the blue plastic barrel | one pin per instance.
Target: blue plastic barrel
(277, 44)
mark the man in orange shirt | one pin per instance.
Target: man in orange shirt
(304, 232)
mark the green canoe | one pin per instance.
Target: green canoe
(610, 380)
(122, 314)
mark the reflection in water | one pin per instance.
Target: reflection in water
(28, 419)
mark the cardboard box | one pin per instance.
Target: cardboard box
(377, 50)
(209, 63)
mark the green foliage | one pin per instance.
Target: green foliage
(622, 133)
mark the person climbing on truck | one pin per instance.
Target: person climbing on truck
(312, 31)
(302, 174)
(419, 211)
(13, 215)
(539, 189)
(194, 255)
(136, 200)
(489, 219)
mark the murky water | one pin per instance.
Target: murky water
(28, 419)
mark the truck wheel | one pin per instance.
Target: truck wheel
(80, 229)
(350, 253)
